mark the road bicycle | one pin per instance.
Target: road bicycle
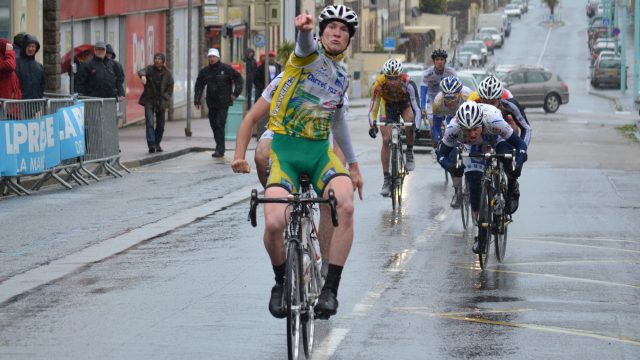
(398, 170)
(493, 219)
(303, 269)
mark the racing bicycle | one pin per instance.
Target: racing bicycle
(398, 170)
(493, 219)
(303, 273)
(463, 191)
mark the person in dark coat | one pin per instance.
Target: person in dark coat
(274, 70)
(29, 70)
(17, 43)
(224, 84)
(97, 77)
(250, 67)
(156, 99)
(119, 69)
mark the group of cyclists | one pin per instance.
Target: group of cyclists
(308, 133)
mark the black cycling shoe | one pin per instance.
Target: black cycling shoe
(327, 305)
(276, 303)
(514, 195)
(476, 245)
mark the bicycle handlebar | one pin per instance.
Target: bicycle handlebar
(293, 199)
(400, 123)
(489, 155)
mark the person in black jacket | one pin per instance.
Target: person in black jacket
(29, 70)
(224, 84)
(98, 76)
(119, 69)
(156, 98)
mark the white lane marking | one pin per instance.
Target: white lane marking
(623, 113)
(363, 307)
(64, 266)
(544, 47)
(585, 111)
(330, 344)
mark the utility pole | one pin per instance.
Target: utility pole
(636, 47)
(187, 130)
(267, 46)
(623, 56)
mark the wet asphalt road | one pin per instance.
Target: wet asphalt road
(194, 284)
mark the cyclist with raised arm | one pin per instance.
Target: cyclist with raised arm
(393, 94)
(307, 104)
(476, 125)
(452, 94)
(430, 85)
(491, 91)
(261, 157)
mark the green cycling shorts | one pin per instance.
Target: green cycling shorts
(292, 156)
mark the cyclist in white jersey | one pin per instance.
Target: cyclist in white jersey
(476, 125)
(430, 85)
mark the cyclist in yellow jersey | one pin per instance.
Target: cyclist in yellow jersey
(393, 94)
(306, 105)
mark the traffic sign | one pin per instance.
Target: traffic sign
(390, 43)
(259, 40)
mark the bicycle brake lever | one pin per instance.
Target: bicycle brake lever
(252, 207)
(333, 203)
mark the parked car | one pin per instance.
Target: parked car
(524, 7)
(534, 86)
(413, 66)
(478, 74)
(476, 47)
(602, 46)
(494, 33)
(606, 54)
(513, 10)
(488, 42)
(607, 71)
(484, 50)
(468, 79)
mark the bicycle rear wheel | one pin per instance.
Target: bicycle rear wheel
(501, 223)
(395, 174)
(465, 205)
(293, 298)
(485, 222)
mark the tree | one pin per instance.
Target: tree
(551, 4)
(284, 51)
(433, 6)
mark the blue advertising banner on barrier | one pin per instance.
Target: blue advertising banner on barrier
(35, 145)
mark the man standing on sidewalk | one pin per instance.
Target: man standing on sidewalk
(156, 98)
(224, 84)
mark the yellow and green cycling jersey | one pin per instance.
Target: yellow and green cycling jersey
(311, 90)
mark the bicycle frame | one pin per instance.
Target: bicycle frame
(398, 171)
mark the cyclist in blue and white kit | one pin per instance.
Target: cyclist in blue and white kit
(452, 94)
(430, 85)
(476, 125)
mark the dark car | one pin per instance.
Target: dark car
(534, 86)
(607, 71)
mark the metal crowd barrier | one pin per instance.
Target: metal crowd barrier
(101, 139)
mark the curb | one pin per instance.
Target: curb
(164, 156)
(616, 101)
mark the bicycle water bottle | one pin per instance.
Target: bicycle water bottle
(306, 266)
(394, 135)
(316, 248)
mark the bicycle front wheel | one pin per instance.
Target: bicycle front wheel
(485, 222)
(293, 297)
(312, 291)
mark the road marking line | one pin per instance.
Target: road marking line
(582, 245)
(57, 269)
(561, 277)
(330, 343)
(623, 112)
(471, 316)
(544, 47)
(363, 307)
(585, 111)
(597, 238)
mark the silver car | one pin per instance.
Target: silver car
(534, 86)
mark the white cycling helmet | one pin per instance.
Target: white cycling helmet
(469, 115)
(490, 88)
(340, 13)
(392, 67)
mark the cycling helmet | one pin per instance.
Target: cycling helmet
(392, 67)
(450, 86)
(438, 53)
(340, 13)
(469, 115)
(490, 88)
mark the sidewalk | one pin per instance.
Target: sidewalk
(134, 151)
